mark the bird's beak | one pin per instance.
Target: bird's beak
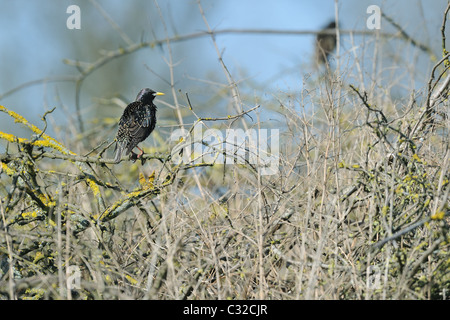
(158, 94)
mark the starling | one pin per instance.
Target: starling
(137, 122)
(325, 43)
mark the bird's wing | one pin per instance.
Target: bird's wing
(134, 125)
(137, 121)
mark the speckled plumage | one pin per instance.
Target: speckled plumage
(137, 123)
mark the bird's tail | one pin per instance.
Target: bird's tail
(119, 151)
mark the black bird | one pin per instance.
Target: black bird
(137, 122)
(325, 43)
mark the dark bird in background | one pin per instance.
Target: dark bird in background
(137, 122)
(325, 44)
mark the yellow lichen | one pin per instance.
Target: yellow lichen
(34, 294)
(94, 187)
(17, 117)
(39, 256)
(8, 137)
(146, 184)
(50, 143)
(131, 279)
(46, 141)
(142, 180)
(46, 200)
(438, 215)
(29, 214)
(417, 158)
(7, 169)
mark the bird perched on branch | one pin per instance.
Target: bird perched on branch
(325, 43)
(136, 124)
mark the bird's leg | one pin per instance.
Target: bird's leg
(142, 152)
(140, 156)
(134, 156)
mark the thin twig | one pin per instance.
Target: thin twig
(407, 37)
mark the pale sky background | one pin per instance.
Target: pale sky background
(35, 41)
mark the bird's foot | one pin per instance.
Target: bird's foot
(142, 158)
(134, 156)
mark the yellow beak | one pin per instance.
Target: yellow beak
(158, 94)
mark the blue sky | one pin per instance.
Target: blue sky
(35, 41)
